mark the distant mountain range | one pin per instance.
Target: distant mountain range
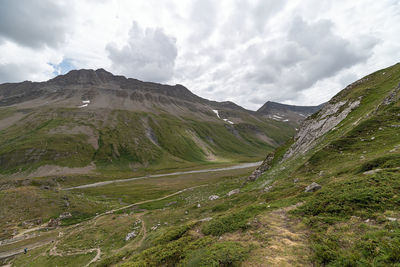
(287, 113)
(92, 120)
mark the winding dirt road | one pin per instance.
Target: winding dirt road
(235, 167)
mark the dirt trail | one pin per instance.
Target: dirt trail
(287, 241)
(53, 250)
(147, 201)
(11, 253)
(235, 167)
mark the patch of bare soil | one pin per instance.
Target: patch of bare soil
(7, 122)
(287, 242)
(279, 240)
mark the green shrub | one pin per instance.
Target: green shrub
(219, 254)
(231, 222)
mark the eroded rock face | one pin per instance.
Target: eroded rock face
(330, 116)
(392, 97)
(265, 165)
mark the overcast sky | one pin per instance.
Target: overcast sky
(296, 52)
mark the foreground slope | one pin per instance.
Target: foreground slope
(351, 148)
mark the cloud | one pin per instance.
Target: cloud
(246, 51)
(149, 54)
(34, 23)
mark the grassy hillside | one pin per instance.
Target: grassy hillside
(128, 141)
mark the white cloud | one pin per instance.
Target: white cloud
(148, 55)
(247, 51)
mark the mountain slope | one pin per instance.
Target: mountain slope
(351, 147)
(91, 120)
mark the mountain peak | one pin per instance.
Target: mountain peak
(84, 76)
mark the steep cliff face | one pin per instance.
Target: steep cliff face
(314, 128)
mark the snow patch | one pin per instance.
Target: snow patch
(216, 112)
(85, 103)
(228, 121)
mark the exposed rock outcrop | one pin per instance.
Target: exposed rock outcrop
(313, 128)
(265, 165)
(393, 96)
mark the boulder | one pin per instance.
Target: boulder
(232, 192)
(312, 187)
(53, 223)
(213, 197)
(267, 188)
(130, 236)
(65, 215)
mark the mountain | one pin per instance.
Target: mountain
(92, 120)
(288, 113)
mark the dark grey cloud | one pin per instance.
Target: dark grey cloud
(149, 54)
(34, 23)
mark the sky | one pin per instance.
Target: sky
(299, 52)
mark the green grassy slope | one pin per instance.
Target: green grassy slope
(120, 140)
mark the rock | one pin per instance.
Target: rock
(213, 197)
(65, 215)
(391, 219)
(206, 219)
(267, 188)
(372, 171)
(265, 165)
(171, 203)
(312, 187)
(232, 192)
(130, 236)
(321, 173)
(53, 223)
(295, 180)
(316, 126)
(373, 138)
(392, 97)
